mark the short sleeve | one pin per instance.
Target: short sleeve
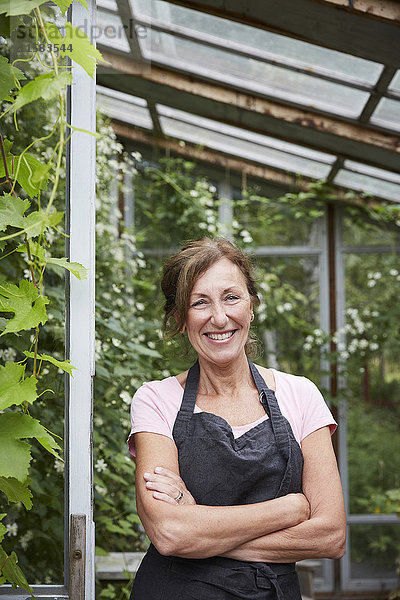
(147, 414)
(316, 413)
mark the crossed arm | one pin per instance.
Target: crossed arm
(284, 529)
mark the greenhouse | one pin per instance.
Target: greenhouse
(128, 128)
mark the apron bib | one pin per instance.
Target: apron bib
(264, 463)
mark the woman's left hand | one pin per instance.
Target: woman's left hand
(168, 486)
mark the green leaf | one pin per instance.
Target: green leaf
(32, 175)
(81, 49)
(19, 425)
(45, 86)
(12, 210)
(24, 301)
(12, 572)
(15, 457)
(19, 7)
(14, 390)
(16, 491)
(65, 4)
(76, 268)
(7, 75)
(65, 365)
(100, 551)
(3, 529)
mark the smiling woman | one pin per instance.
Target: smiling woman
(236, 478)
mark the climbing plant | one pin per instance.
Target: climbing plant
(36, 68)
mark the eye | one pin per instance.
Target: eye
(198, 303)
(232, 297)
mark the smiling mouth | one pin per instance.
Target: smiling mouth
(220, 336)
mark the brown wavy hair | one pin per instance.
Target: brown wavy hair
(182, 270)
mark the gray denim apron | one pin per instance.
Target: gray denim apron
(265, 462)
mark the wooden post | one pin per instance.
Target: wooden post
(77, 557)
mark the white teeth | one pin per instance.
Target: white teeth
(220, 336)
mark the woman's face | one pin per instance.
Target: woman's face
(219, 314)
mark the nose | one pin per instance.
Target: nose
(218, 315)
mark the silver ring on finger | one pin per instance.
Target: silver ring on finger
(179, 497)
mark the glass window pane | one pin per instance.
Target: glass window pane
(298, 276)
(124, 107)
(281, 46)
(368, 185)
(387, 114)
(253, 74)
(361, 233)
(395, 85)
(273, 222)
(371, 361)
(374, 549)
(111, 31)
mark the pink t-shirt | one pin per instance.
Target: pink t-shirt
(156, 403)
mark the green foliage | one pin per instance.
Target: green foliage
(14, 389)
(30, 290)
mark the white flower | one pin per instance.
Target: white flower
(341, 347)
(280, 309)
(100, 465)
(8, 354)
(202, 225)
(373, 346)
(375, 313)
(26, 538)
(194, 193)
(394, 272)
(307, 346)
(363, 343)
(116, 288)
(116, 342)
(377, 275)
(59, 466)
(12, 529)
(318, 332)
(344, 355)
(100, 489)
(140, 306)
(212, 189)
(125, 397)
(371, 283)
(151, 344)
(287, 306)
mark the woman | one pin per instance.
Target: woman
(226, 494)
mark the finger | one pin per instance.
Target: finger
(148, 477)
(163, 497)
(166, 472)
(171, 490)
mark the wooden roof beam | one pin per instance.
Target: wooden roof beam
(334, 134)
(384, 10)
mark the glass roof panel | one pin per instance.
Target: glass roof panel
(253, 74)
(124, 107)
(395, 84)
(107, 4)
(243, 148)
(387, 114)
(244, 134)
(373, 171)
(111, 31)
(310, 55)
(368, 184)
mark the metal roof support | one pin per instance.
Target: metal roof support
(381, 88)
(127, 18)
(240, 108)
(80, 229)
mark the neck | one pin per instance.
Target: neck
(215, 380)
